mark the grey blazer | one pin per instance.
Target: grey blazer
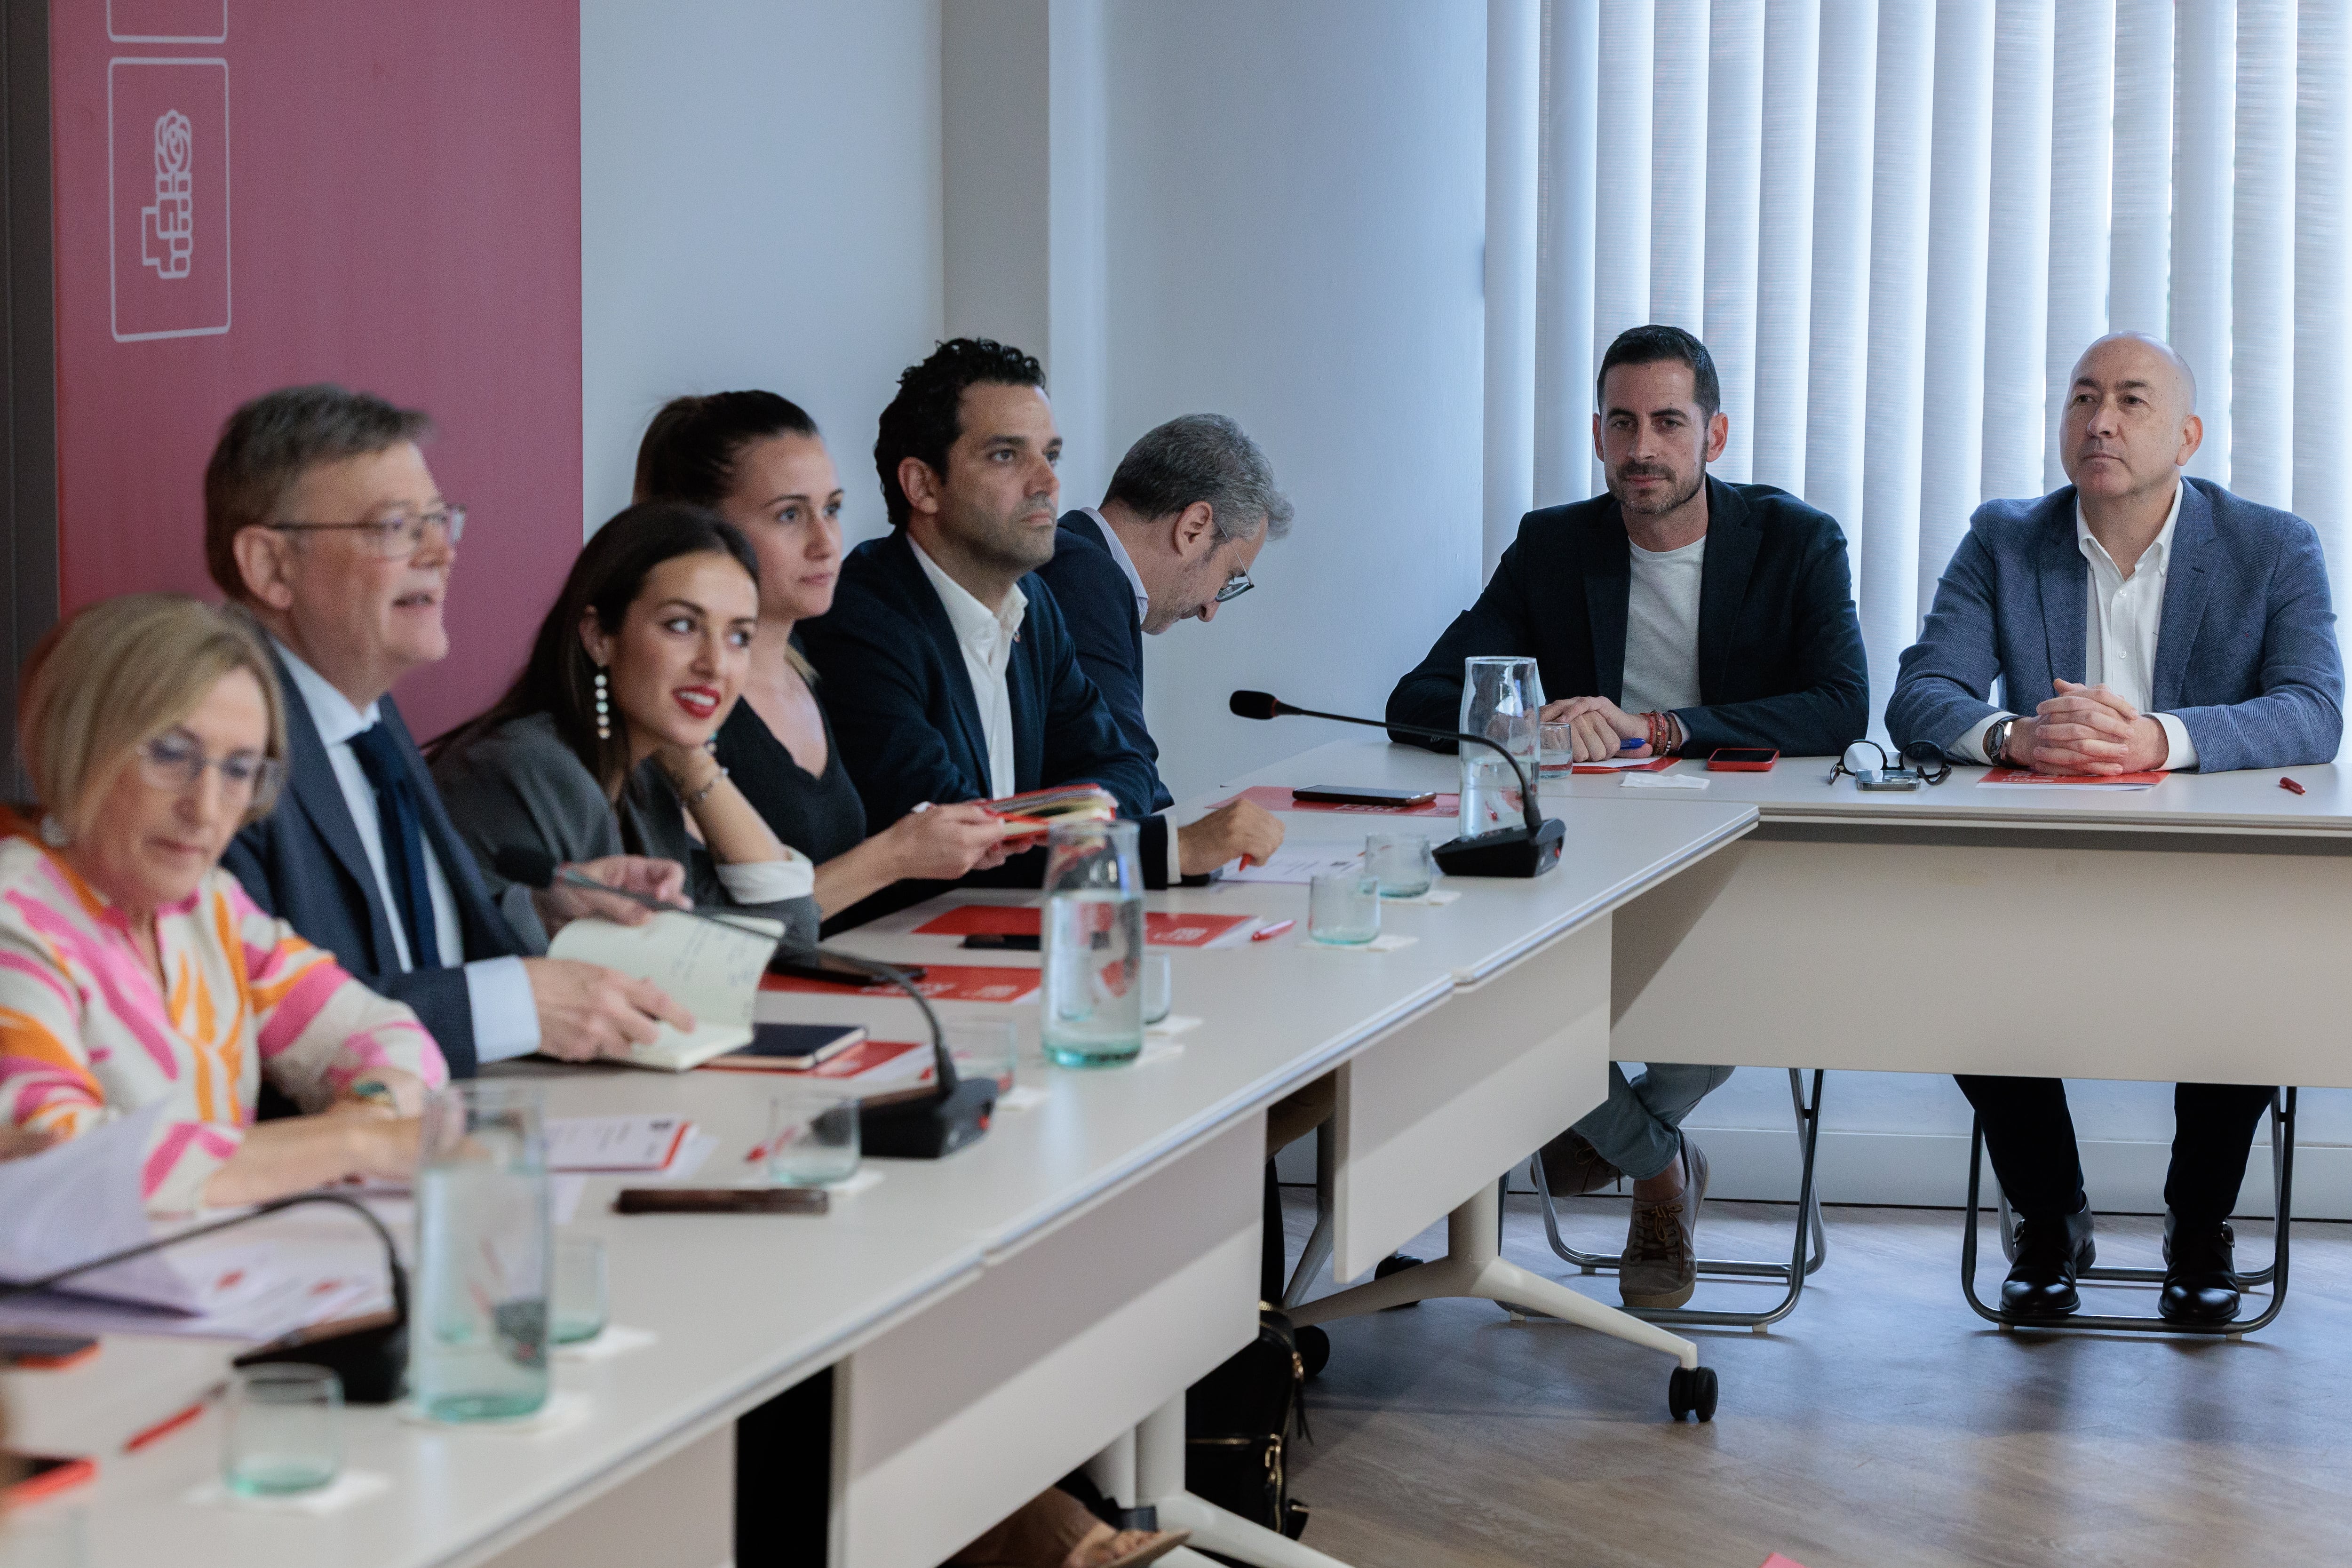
(522, 786)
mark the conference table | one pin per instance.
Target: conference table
(990, 1321)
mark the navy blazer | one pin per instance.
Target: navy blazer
(2245, 649)
(1780, 659)
(304, 863)
(904, 715)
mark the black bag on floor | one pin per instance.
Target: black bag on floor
(1239, 1422)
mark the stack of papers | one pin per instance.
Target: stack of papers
(2022, 778)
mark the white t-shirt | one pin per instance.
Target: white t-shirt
(1661, 628)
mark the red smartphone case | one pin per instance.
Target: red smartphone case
(1721, 762)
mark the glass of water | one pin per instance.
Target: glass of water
(813, 1135)
(1344, 907)
(1500, 699)
(583, 1297)
(1093, 1011)
(1159, 987)
(1402, 863)
(485, 1252)
(984, 1048)
(284, 1430)
(1558, 749)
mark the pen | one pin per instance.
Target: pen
(173, 1422)
(1266, 933)
(1633, 744)
(2290, 783)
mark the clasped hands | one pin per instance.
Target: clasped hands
(1598, 727)
(2086, 730)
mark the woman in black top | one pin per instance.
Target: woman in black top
(757, 460)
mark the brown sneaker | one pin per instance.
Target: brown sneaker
(1660, 1268)
(1572, 1166)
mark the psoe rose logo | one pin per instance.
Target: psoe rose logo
(167, 231)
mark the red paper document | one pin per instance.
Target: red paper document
(864, 1057)
(1275, 798)
(944, 982)
(2026, 778)
(1159, 930)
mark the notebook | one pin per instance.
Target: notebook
(788, 1047)
(713, 971)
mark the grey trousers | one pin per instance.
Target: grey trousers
(1635, 1129)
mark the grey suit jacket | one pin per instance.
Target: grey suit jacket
(522, 786)
(2245, 651)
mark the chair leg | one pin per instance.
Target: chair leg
(1318, 1254)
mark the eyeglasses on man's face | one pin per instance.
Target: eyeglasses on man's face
(395, 536)
(1235, 586)
(176, 761)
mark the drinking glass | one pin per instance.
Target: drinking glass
(1344, 907)
(813, 1135)
(985, 1049)
(1401, 862)
(485, 1245)
(1557, 746)
(284, 1431)
(583, 1302)
(1500, 699)
(1159, 987)
(1093, 1011)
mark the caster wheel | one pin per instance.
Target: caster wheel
(1314, 1349)
(1691, 1391)
(1396, 1263)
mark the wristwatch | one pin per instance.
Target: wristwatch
(1996, 739)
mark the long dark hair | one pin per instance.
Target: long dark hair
(689, 449)
(560, 679)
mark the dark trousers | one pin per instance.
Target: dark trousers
(2031, 1139)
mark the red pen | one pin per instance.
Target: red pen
(2290, 783)
(1267, 933)
(173, 1422)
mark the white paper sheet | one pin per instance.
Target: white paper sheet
(614, 1144)
(1297, 865)
(80, 1200)
(712, 970)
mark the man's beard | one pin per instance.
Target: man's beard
(1011, 546)
(1616, 483)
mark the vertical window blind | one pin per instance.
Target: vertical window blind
(1896, 225)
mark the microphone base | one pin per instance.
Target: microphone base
(372, 1362)
(928, 1129)
(1506, 852)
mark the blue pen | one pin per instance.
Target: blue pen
(1631, 744)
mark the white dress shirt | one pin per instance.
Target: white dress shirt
(1142, 613)
(2119, 634)
(986, 637)
(497, 990)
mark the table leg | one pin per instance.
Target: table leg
(1159, 1478)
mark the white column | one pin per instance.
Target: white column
(1839, 351)
(2205, 79)
(1514, 83)
(2261, 269)
(2323, 284)
(1959, 197)
(1784, 241)
(1735, 134)
(1621, 181)
(1678, 166)
(2083, 112)
(1564, 252)
(2017, 265)
(2139, 264)
(1900, 175)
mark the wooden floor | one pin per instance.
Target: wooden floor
(1882, 1425)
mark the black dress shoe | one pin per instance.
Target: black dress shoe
(2201, 1271)
(2041, 1284)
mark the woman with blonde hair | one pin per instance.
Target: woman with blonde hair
(133, 970)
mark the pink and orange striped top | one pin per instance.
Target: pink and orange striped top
(85, 1034)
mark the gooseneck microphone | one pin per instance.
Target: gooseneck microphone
(369, 1354)
(1525, 851)
(905, 1124)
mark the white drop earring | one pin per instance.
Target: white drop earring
(55, 833)
(603, 708)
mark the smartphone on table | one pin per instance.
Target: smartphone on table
(1362, 794)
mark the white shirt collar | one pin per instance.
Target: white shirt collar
(331, 710)
(1126, 563)
(2158, 557)
(974, 622)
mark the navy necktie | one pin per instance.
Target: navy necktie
(403, 841)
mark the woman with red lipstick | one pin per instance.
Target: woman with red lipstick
(604, 745)
(757, 460)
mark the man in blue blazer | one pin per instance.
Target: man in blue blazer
(1681, 613)
(949, 672)
(323, 523)
(1190, 508)
(2148, 621)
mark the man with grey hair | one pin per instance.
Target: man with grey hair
(1190, 508)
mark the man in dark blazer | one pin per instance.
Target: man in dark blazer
(1190, 508)
(323, 523)
(950, 671)
(2150, 621)
(1679, 614)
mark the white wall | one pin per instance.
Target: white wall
(760, 207)
(1294, 209)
